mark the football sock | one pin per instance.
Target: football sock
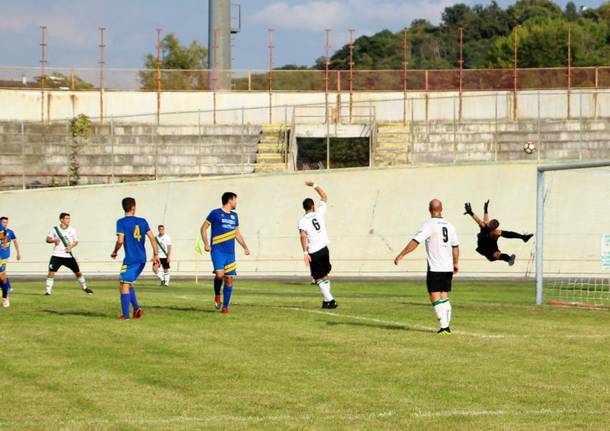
(324, 286)
(166, 278)
(125, 300)
(448, 311)
(133, 299)
(505, 257)
(159, 275)
(509, 234)
(217, 285)
(226, 296)
(440, 310)
(83, 282)
(8, 285)
(4, 286)
(50, 282)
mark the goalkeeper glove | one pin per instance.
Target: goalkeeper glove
(486, 206)
(468, 209)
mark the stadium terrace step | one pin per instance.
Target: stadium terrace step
(271, 148)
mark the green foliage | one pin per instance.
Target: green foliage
(80, 129)
(344, 152)
(57, 80)
(182, 66)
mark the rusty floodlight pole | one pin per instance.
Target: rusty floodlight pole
(461, 61)
(214, 71)
(43, 62)
(351, 72)
(270, 47)
(326, 78)
(515, 69)
(102, 62)
(569, 67)
(158, 30)
(405, 72)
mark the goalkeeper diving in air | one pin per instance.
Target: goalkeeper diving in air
(487, 238)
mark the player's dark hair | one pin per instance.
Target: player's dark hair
(308, 204)
(494, 223)
(128, 204)
(3, 218)
(63, 215)
(160, 226)
(227, 196)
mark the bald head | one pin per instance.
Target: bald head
(435, 207)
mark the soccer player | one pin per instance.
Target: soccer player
(5, 284)
(65, 239)
(443, 253)
(314, 242)
(164, 241)
(131, 231)
(225, 231)
(487, 238)
(11, 239)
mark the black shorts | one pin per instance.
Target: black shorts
(69, 262)
(320, 264)
(439, 281)
(164, 262)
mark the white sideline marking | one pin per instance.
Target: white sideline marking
(473, 413)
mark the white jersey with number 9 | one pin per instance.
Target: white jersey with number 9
(314, 225)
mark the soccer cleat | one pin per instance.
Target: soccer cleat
(225, 310)
(88, 291)
(511, 261)
(137, 314)
(162, 283)
(5, 303)
(329, 304)
(48, 292)
(121, 317)
(527, 237)
(217, 302)
(444, 331)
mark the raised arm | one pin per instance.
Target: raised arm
(476, 218)
(485, 211)
(155, 247)
(204, 236)
(240, 239)
(318, 189)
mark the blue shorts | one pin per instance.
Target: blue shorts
(224, 262)
(2, 265)
(130, 273)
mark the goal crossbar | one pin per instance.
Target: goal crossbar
(540, 213)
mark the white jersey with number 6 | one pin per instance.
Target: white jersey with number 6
(314, 225)
(440, 237)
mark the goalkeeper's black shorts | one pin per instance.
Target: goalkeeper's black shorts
(57, 262)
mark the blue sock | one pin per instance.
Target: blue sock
(226, 293)
(217, 285)
(8, 284)
(5, 285)
(125, 299)
(133, 298)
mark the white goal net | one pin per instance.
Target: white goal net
(573, 234)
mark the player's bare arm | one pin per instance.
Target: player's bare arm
(412, 245)
(456, 257)
(476, 218)
(71, 247)
(241, 241)
(17, 249)
(51, 240)
(303, 238)
(120, 239)
(318, 189)
(486, 211)
(155, 247)
(204, 236)
(169, 253)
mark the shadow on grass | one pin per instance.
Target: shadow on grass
(379, 326)
(74, 313)
(181, 309)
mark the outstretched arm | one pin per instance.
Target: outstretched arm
(476, 218)
(485, 212)
(318, 189)
(412, 245)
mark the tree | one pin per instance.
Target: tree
(183, 66)
(570, 13)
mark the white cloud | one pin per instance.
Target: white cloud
(314, 16)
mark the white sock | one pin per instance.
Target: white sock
(166, 278)
(83, 282)
(325, 289)
(448, 311)
(441, 314)
(159, 275)
(50, 282)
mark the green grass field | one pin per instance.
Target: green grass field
(280, 362)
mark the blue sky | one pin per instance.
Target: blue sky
(299, 24)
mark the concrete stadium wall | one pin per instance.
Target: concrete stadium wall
(372, 214)
(253, 108)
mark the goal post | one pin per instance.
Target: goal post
(599, 283)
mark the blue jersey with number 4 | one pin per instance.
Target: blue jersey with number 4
(135, 230)
(224, 229)
(5, 243)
